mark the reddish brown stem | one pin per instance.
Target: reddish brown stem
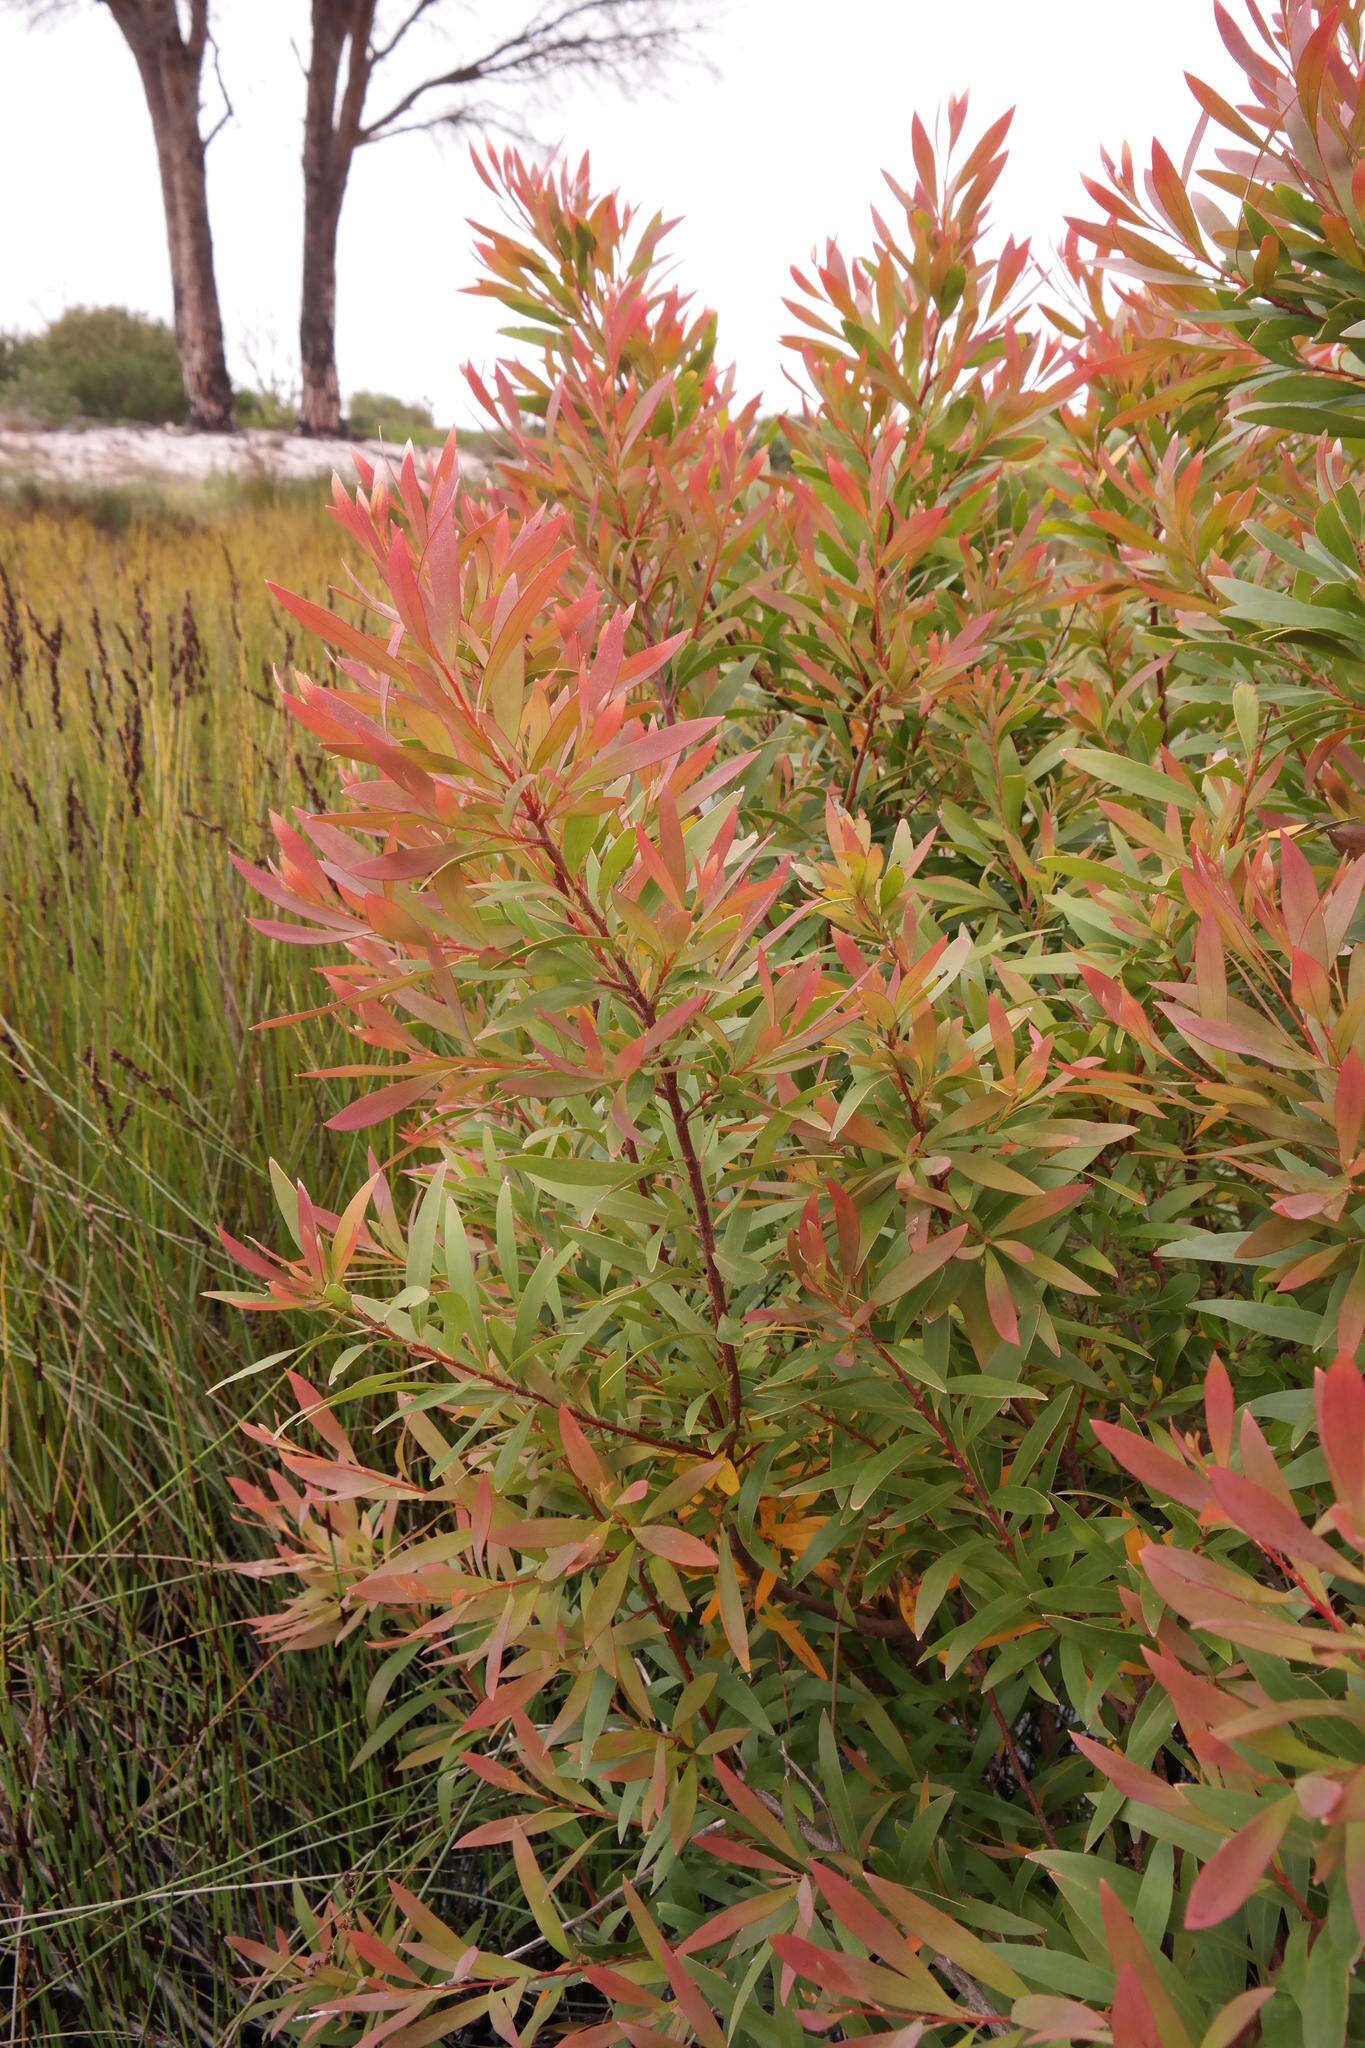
(1012, 1752)
(873, 705)
(645, 1008)
(720, 1307)
(944, 1436)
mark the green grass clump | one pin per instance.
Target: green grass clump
(160, 1778)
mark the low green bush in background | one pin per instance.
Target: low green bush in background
(105, 363)
(257, 408)
(376, 413)
(99, 362)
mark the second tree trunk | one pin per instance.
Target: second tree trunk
(320, 406)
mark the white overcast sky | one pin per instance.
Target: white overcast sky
(780, 145)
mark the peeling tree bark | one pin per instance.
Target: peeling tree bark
(171, 69)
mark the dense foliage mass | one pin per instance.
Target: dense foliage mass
(837, 1415)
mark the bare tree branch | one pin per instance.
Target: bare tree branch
(620, 38)
(228, 111)
(410, 20)
(438, 88)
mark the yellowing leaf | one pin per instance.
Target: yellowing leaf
(731, 1604)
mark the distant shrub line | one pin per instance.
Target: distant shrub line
(105, 363)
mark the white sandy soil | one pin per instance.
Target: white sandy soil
(120, 455)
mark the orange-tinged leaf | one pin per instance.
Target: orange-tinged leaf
(505, 685)
(378, 1107)
(1268, 1520)
(1210, 968)
(1133, 1780)
(646, 405)
(349, 1228)
(731, 1604)
(1132, 2020)
(676, 1545)
(1156, 1468)
(916, 1267)
(336, 631)
(690, 2002)
(862, 1919)
(782, 1624)
(1339, 1397)
(381, 1957)
(671, 844)
(584, 1463)
(1002, 1037)
(1175, 200)
(1348, 1106)
(1298, 890)
(846, 1224)
(1253, 1037)
(1218, 1409)
(753, 1810)
(731, 1919)
(939, 1931)
(1309, 984)
(1232, 2022)
(999, 1300)
(492, 1832)
(922, 150)
(1235, 1869)
(1047, 2018)
(433, 1930)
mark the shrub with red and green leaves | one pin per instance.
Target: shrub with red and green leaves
(858, 1004)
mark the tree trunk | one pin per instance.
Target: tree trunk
(320, 406)
(171, 69)
(330, 137)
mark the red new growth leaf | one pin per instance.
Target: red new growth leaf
(1156, 1468)
(1234, 1870)
(1133, 2022)
(1218, 1409)
(1339, 1395)
(999, 1300)
(675, 1545)
(583, 1460)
